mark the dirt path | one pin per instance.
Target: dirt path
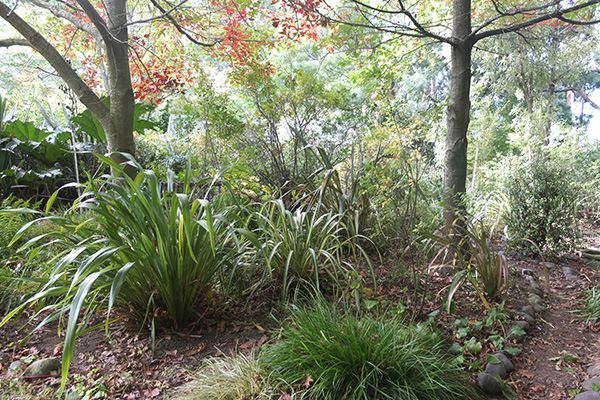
(561, 346)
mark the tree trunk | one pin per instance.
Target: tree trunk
(455, 174)
(117, 120)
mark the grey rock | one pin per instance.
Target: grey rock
(589, 384)
(531, 320)
(43, 367)
(536, 289)
(548, 264)
(589, 395)
(489, 384)
(594, 370)
(567, 271)
(501, 253)
(527, 272)
(535, 298)
(15, 368)
(523, 325)
(508, 365)
(537, 303)
(496, 370)
(529, 310)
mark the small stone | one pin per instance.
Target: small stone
(535, 298)
(537, 303)
(510, 367)
(529, 310)
(589, 395)
(496, 370)
(43, 367)
(531, 320)
(548, 264)
(15, 368)
(527, 272)
(536, 290)
(489, 384)
(594, 370)
(501, 253)
(523, 325)
(589, 384)
(567, 271)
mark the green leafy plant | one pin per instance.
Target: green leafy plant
(300, 246)
(128, 245)
(591, 312)
(330, 354)
(476, 261)
(542, 205)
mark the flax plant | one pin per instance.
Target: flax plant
(128, 245)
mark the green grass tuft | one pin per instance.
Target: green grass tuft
(331, 354)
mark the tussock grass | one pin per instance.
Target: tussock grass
(330, 355)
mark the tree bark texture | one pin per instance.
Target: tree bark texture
(457, 118)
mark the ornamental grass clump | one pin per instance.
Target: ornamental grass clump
(328, 354)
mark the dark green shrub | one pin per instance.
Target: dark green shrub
(329, 354)
(542, 202)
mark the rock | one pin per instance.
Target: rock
(589, 384)
(529, 310)
(589, 395)
(537, 303)
(523, 325)
(567, 271)
(43, 367)
(594, 370)
(489, 384)
(15, 368)
(496, 370)
(536, 289)
(531, 320)
(527, 272)
(506, 362)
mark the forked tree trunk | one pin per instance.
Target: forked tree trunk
(117, 120)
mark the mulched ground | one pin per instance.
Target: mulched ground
(128, 368)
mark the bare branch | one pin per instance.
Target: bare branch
(167, 15)
(475, 37)
(62, 13)
(14, 42)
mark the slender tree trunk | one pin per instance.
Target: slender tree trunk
(455, 174)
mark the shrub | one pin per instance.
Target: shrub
(330, 354)
(542, 205)
(476, 261)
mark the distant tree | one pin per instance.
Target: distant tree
(461, 24)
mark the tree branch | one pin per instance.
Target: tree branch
(14, 42)
(167, 15)
(544, 17)
(61, 66)
(62, 13)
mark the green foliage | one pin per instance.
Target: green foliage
(331, 354)
(154, 255)
(543, 202)
(88, 124)
(591, 312)
(227, 378)
(300, 247)
(476, 261)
